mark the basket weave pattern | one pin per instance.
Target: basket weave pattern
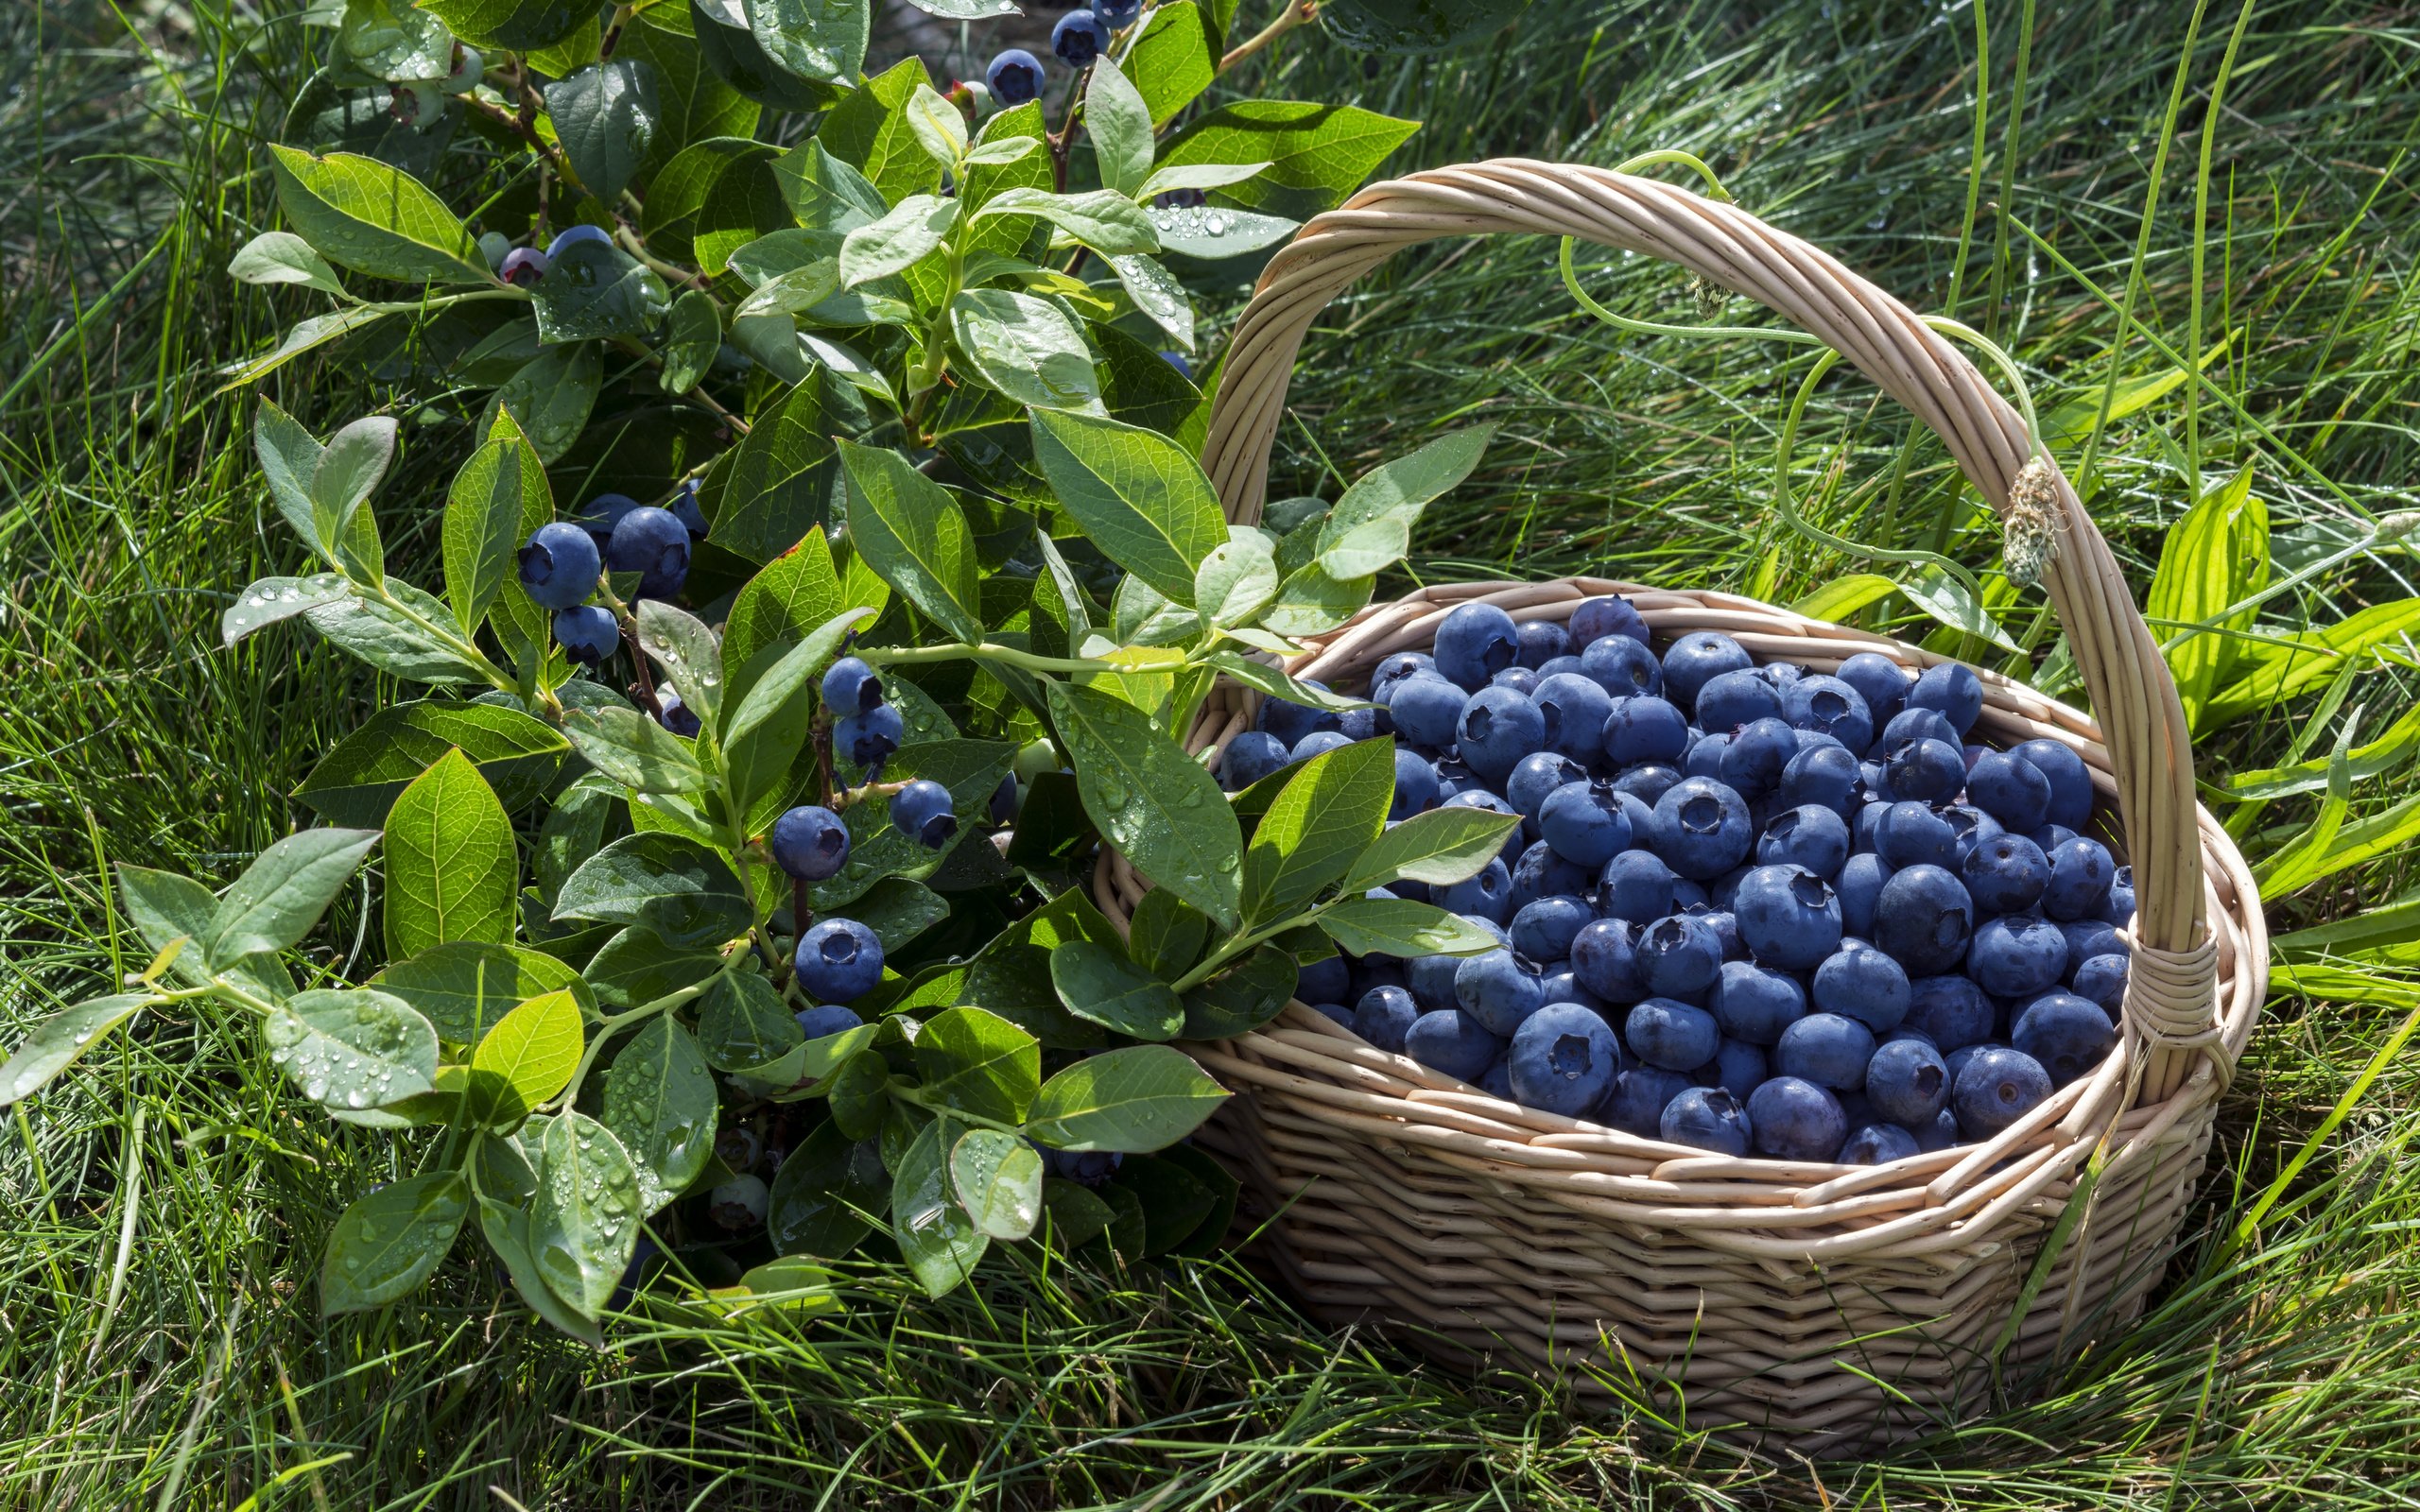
(1835, 1305)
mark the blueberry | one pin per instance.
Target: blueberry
(2066, 1034)
(739, 1203)
(1014, 76)
(1536, 777)
(1593, 619)
(1497, 989)
(1541, 642)
(1859, 886)
(1796, 1120)
(1858, 981)
(1289, 722)
(1604, 956)
(677, 716)
(1544, 930)
(2010, 789)
(2018, 956)
(1954, 690)
(1384, 1015)
(588, 634)
(851, 687)
(1828, 776)
(1623, 667)
(1335, 1013)
(868, 740)
(1250, 757)
(1498, 726)
(1563, 1060)
(1710, 1118)
(1318, 743)
(1924, 919)
(1648, 782)
(1520, 679)
(1390, 671)
(1088, 1168)
(1427, 710)
(1566, 665)
(809, 843)
(838, 960)
(1956, 1059)
(1638, 1099)
(1375, 970)
(1940, 1134)
(1726, 929)
(1364, 724)
(2051, 836)
(1697, 659)
(1680, 957)
(1880, 681)
(1734, 699)
(2005, 874)
(1079, 38)
(1451, 1041)
(685, 508)
(1327, 980)
(1951, 1009)
(2119, 909)
(1116, 12)
(1497, 1083)
(1826, 1048)
(599, 515)
(2082, 878)
(1644, 730)
(1635, 885)
(523, 267)
(2088, 938)
(1907, 1082)
(1705, 755)
(652, 544)
(1540, 873)
(1753, 761)
(1930, 770)
(1415, 786)
(924, 812)
(825, 1020)
(1737, 1068)
(1789, 917)
(1575, 710)
(2070, 783)
(1557, 983)
(1475, 641)
(1755, 1004)
(1877, 1144)
(1970, 826)
(571, 236)
(1701, 828)
(1808, 836)
(1916, 724)
(1994, 1089)
(2102, 979)
(1480, 798)
(1831, 707)
(1910, 834)
(1671, 1034)
(1585, 823)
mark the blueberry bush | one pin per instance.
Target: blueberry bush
(826, 574)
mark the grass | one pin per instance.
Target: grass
(161, 1217)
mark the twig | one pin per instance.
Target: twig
(1295, 14)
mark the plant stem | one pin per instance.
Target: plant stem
(1295, 14)
(1248, 939)
(913, 1097)
(983, 651)
(614, 1024)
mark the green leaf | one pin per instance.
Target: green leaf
(281, 257)
(1167, 935)
(399, 636)
(997, 1179)
(743, 1024)
(1415, 26)
(1198, 176)
(1173, 62)
(938, 126)
(605, 115)
(731, 53)
(1843, 596)
(1150, 799)
(979, 1063)
(824, 192)
(353, 1051)
(1398, 926)
(821, 40)
(464, 989)
(305, 335)
(694, 103)
(693, 337)
(452, 867)
(584, 1220)
(660, 1102)
(870, 131)
(687, 652)
(716, 196)
(1310, 602)
(1140, 497)
(797, 592)
(164, 907)
(1118, 122)
(1027, 347)
(595, 289)
(388, 40)
(827, 1194)
(1134, 1100)
(1946, 599)
(289, 455)
(1242, 997)
(637, 966)
(1327, 814)
(770, 727)
(1106, 221)
(1440, 847)
(635, 750)
(936, 1237)
(524, 1060)
(390, 1243)
(283, 893)
(1369, 528)
(908, 529)
(2324, 851)
(2380, 756)
(502, 479)
(1317, 154)
(1156, 292)
(2073, 420)
(520, 24)
(363, 215)
(271, 599)
(348, 471)
(900, 239)
(507, 1233)
(1278, 685)
(1101, 984)
(2310, 657)
(770, 492)
(859, 1095)
(61, 1040)
(898, 910)
(674, 886)
(551, 397)
(1077, 1216)
(1213, 232)
(358, 782)
(2215, 556)
(1236, 580)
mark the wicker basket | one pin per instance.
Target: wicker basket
(1829, 1308)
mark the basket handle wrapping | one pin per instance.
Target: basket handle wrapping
(2171, 987)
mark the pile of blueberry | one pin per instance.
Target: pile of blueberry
(561, 564)
(1752, 909)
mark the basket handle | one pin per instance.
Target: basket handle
(2171, 988)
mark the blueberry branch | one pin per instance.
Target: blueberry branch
(1295, 14)
(983, 651)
